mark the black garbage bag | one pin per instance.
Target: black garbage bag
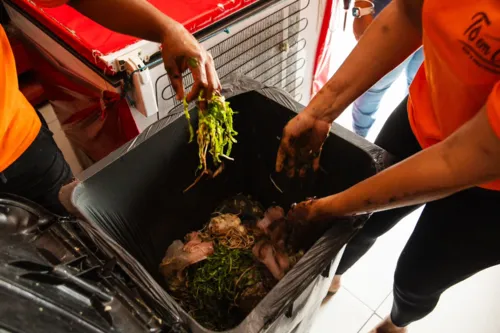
(54, 279)
(135, 205)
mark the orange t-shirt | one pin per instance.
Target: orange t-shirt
(19, 123)
(461, 71)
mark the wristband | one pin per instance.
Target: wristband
(358, 12)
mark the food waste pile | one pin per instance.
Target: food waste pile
(221, 272)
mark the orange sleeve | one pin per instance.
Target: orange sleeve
(493, 109)
(50, 3)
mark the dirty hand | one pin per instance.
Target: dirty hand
(315, 210)
(312, 210)
(301, 144)
(304, 211)
(181, 51)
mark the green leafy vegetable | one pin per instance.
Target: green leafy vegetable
(215, 133)
(222, 275)
(216, 284)
(188, 117)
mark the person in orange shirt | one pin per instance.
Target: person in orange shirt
(445, 140)
(31, 165)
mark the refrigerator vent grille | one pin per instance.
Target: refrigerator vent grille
(268, 51)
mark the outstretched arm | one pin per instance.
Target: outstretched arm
(389, 40)
(139, 18)
(469, 157)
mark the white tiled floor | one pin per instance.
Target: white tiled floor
(385, 308)
(472, 306)
(372, 277)
(367, 286)
(370, 324)
(344, 308)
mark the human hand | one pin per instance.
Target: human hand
(301, 144)
(181, 51)
(65, 196)
(303, 212)
(307, 223)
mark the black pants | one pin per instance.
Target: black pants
(455, 237)
(39, 173)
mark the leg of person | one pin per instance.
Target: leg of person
(414, 64)
(366, 106)
(39, 173)
(397, 138)
(455, 238)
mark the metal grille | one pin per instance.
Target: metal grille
(268, 51)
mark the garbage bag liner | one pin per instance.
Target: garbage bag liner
(134, 202)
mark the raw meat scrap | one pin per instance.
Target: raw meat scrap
(272, 214)
(193, 242)
(273, 224)
(180, 255)
(276, 261)
(221, 224)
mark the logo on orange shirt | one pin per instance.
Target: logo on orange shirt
(480, 45)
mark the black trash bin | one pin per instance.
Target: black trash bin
(53, 278)
(135, 203)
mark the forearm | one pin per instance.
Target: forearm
(388, 41)
(468, 158)
(422, 178)
(137, 18)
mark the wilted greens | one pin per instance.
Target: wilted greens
(218, 284)
(215, 134)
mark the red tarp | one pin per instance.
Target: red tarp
(96, 122)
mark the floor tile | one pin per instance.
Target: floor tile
(370, 324)
(385, 308)
(371, 278)
(48, 113)
(344, 313)
(60, 138)
(471, 306)
(68, 152)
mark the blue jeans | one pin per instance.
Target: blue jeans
(366, 106)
